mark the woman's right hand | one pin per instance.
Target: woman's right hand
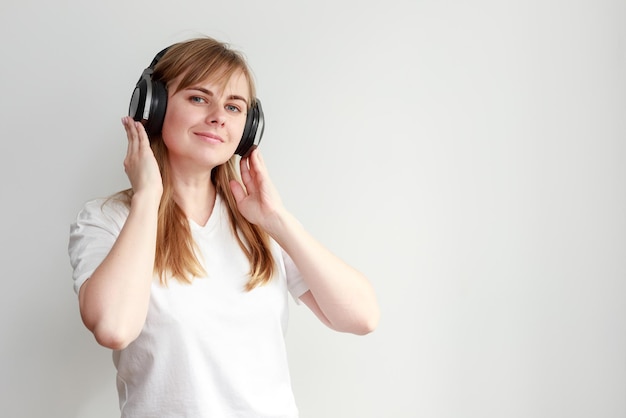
(140, 164)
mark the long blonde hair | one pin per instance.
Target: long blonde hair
(199, 60)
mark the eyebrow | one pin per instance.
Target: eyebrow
(210, 93)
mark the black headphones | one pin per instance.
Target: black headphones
(149, 101)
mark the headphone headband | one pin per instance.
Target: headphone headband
(157, 57)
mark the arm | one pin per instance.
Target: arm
(114, 300)
(339, 295)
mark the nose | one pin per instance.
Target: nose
(216, 116)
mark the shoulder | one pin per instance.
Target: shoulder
(110, 210)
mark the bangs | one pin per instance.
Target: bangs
(217, 71)
(199, 63)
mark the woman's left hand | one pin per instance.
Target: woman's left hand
(259, 202)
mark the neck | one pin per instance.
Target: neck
(196, 198)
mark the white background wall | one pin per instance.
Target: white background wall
(469, 157)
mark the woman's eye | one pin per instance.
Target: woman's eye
(232, 108)
(197, 99)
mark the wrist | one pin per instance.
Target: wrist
(281, 226)
(146, 199)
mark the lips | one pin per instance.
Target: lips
(209, 136)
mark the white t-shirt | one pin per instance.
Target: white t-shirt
(208, 349)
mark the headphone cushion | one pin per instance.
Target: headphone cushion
(253, 130)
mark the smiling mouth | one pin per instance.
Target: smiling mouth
(210, 137)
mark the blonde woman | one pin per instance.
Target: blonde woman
(185, 276)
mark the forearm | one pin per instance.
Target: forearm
(114, 300)
(344, 295)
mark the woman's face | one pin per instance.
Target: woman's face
(203, 123)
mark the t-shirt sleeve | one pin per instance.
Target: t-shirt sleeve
(295, 283)
(92, 235)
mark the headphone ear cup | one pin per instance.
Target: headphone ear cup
(149, 100)
(158, 105)
(137, 106)
(253, 130)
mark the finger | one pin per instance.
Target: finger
(258, 171)
(133, 132)
(258, 164)
(246, 177)
(238, 192)
(141, 133)
(126, 123)
(142, 141)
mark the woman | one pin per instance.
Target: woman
(186, 274)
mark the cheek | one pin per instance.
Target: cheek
(174, 123)
(167, 133)
(236, 135)
(238, 128)
(172, 118)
